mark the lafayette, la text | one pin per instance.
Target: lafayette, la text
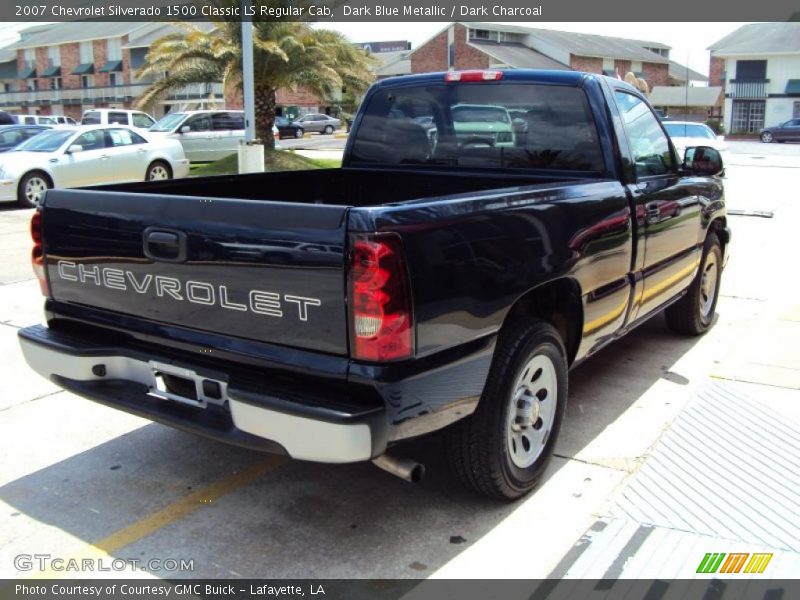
(495, 10)
(158, 589)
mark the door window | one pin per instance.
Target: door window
(124, 137)
(226, 121)
(199, 123)
(649, 143)
(91, 140)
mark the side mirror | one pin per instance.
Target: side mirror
(702, 160)
(74, 148)
(185, 129)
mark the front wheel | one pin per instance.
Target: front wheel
(157, 171)
(328, 129)
(32, 187)
(298, 133)
(503, 448)
(694, 313)
(766, 137)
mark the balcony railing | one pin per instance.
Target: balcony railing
(748, 88)
(111, 93)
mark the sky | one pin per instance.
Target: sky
(688, 40)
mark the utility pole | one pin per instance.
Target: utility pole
(251, 150)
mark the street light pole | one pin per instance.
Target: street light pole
(247, 74)
(251, 150)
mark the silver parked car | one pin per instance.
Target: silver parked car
(85, 155)
(319, 123)
(206, 135)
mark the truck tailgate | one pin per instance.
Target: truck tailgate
(261, 270)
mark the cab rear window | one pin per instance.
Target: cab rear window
(523, 126)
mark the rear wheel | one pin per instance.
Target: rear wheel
(503, 448)
(158, 170)
(32, 187)
(328, 129)
(766, 137)
(694, 313)
(298, 133)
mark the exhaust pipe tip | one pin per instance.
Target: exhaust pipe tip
(409, 470)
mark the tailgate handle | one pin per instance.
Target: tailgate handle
(166, 245)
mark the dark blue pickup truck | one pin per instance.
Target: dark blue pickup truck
(487, 231)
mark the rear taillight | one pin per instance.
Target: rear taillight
(472, 76)
(381, 321)
(37, 253)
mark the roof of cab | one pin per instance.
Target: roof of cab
(550, 76)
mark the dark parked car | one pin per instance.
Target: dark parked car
(6, 118)
(785, 132)
(12, 136)
(288, 129)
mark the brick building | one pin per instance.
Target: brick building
(491, 45)
(758, 67)
(67, 68)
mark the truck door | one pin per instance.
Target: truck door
(667, 210)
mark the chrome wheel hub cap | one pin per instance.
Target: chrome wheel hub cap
(708, 286)
(35, 189)
(158, 173)
(531, 411)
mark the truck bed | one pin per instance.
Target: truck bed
(356, 187)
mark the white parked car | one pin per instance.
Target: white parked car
(35, 119)
(117, 116)
(687, 133)
(206, 135)
(86, 155)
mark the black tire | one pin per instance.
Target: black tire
(479, 447)
(694, 313)
(158, 166)
(767, 137)
(328, 130)
(298, 133)
(30, 178)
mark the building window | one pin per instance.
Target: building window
(748, 116)
(482, 34)
(30, 58)
(86, 52)
(53, 56)
(55, 83)
(608, 64)
(6, 87)
(87, 81)
(33, 85)
(751, 69)
(115, 79)
(114, 49)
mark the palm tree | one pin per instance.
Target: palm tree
(285, 55)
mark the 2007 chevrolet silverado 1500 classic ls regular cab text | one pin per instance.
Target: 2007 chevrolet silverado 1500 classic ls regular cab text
(487, 230)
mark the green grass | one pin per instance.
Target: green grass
(274, 160)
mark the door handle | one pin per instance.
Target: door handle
(165, 245)
(141, 150)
